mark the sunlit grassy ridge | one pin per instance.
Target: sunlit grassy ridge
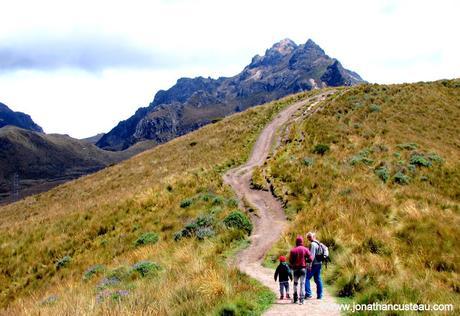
(377, 174)
(52, 241)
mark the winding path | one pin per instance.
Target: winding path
(270, 221)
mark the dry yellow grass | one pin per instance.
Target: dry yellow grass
(96, 219)
(390, 242)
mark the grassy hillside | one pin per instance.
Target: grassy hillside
(149, 235)
(376, 174)
(40, 159)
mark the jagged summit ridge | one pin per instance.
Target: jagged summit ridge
(285, 68)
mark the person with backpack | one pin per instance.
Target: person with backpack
(284, 273)
(298, 259)
(320, 254)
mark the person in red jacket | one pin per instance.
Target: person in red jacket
(298, 259)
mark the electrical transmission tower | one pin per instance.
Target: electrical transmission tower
(16, 186)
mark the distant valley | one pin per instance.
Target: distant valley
(32, 161)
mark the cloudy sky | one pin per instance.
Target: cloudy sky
(79, 67)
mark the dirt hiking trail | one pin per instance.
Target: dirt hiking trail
(270, 221)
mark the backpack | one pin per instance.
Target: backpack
(322, 253)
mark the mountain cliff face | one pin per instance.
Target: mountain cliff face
(19, 119)
(285, 68)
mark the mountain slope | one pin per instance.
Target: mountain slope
(376, 174)
(98, 218)
(391, 242)
(93, 139)
(19, 119)
(42, 161)
(285, 68)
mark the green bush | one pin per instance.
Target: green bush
(307, 161)
(374, 108)
(419, 160)
(238, 220)
(435, 157)
(408, 146)
(228, 310)
(144, 268)
(147, 238)
(63, 262)
(186, 203)
(201, 227)
(360, 159)
(321, 149)
(218, 200)
(401, 178)
(204, 232)
(92, 271)
(382, 173)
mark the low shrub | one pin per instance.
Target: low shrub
(217, 200)
(108, 282)
(116, 295)
(147, 238)
(307, 161)
(320, 149)
(201, 227)
(419, 160)
(362, 157)
(238, 220)
(63, 262)
(374, 108)
(382, 173)
(435, 158)
(408, 146)
(401, 178)
(186, 203)
(50, 300)
(204, 232)
(145, 268)
(92, 271)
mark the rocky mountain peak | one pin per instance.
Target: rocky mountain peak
(283, 47)
(285, 68)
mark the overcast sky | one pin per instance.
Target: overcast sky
(79, 67)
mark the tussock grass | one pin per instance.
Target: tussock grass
(129, 213)
(388, 212)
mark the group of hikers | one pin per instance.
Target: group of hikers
(304, 264)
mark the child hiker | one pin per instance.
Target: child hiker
(284, 274)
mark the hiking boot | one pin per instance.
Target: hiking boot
(281, 297)
(288, 297)
(301, 302)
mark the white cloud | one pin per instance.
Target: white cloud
(384, 41)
